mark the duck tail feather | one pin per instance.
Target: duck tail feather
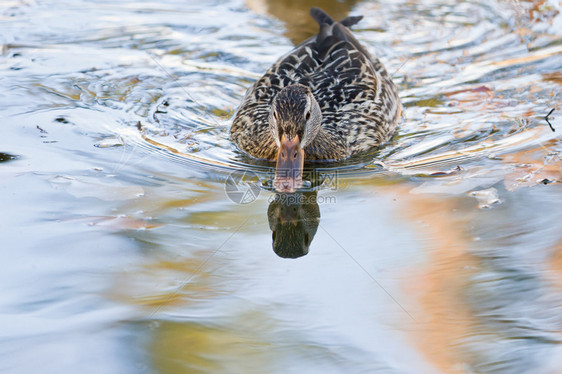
(324, 33)
(341, 33)
(350, 21)
(320, 16)
(331, 32)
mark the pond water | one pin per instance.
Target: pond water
(121, 252)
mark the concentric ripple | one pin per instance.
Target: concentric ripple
(476, 79)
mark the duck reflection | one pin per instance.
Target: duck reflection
(293, 220)
(295, 14)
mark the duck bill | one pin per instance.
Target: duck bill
(290, 163)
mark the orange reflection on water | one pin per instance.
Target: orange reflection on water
(443, 318)
(555, 263)
(295, 14)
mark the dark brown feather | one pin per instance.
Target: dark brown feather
(359, 102)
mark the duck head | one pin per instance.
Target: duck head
(294, 121)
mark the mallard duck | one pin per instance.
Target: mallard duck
(327, 99)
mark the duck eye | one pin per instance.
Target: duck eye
(295, 154)
(307, 116)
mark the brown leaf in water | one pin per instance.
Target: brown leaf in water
(476, 89)
(480, 97)
(555, 77)
(533, 167)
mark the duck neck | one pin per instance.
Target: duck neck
(327, 145)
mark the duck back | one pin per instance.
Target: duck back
(359, 102)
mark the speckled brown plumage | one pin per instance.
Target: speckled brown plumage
(359, 102)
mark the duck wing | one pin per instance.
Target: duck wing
(359, 102)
